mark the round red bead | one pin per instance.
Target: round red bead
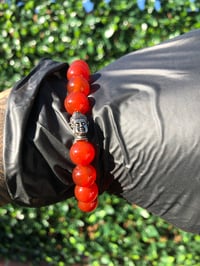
(81, 62)
(82, 152)
(84, 175)
(86, 194)
(78, 69)
(87, 206)
(76, 102)
(78, 83)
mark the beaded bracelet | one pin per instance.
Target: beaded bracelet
(82, 152)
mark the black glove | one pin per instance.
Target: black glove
(146, 126)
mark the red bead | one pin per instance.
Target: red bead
(78, 83)
(82, 153)
(84, 176)
(86, 194)
(81, 62)
(87, 206)
(78, 69)
(77, 102)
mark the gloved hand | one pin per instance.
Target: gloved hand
(146, 127)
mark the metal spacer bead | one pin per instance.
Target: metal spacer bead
(79, 125)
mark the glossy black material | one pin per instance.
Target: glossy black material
(146, 128)
(38, 137)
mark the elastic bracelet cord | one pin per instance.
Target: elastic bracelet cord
(82, 152)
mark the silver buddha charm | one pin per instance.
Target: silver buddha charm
(79, 125)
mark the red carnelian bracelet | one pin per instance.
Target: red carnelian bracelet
(82, 152)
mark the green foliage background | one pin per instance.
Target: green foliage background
(117, 233)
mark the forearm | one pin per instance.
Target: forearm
(4, 196)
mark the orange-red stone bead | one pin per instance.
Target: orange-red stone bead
(77, 102)
(78, 69)
(87, 206)
(84, 176)
(78, 83)
(86, 194)
(82, 153)
(82, 63)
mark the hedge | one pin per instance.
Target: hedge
(116, 233)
